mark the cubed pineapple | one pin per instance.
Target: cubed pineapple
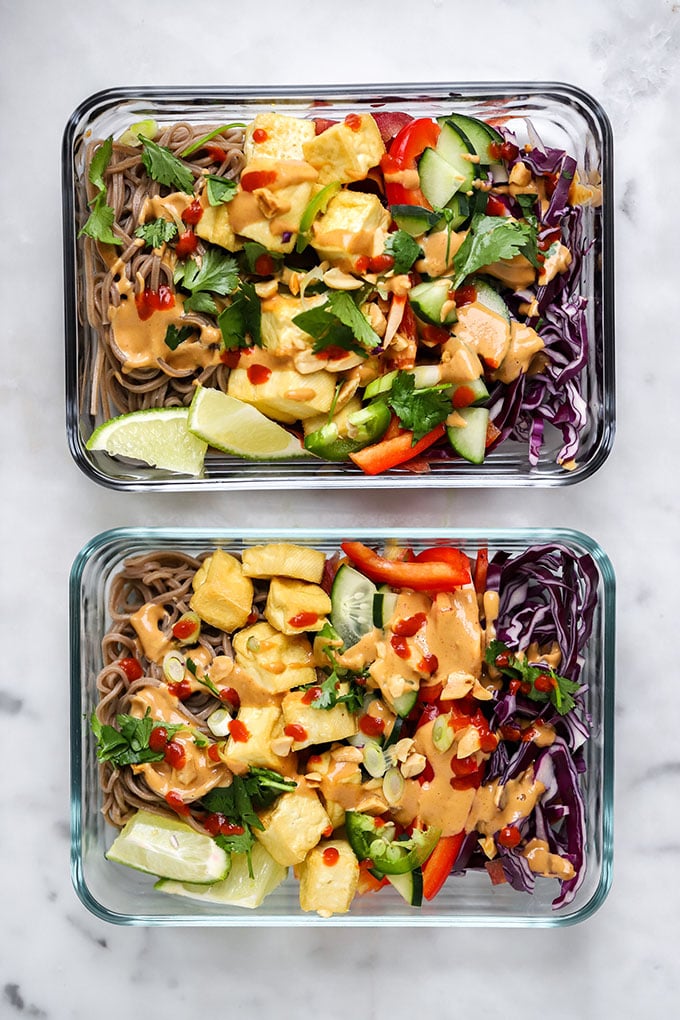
(259, 726)
(293, 825)
(286, 395)
(280, 335)
(214, 225)
(294, 606)
(353, 225)
(283, 559)
(278, 136)
(346, 151)
(224, 598)
(321, 725)
(329, 876)
(277, 661)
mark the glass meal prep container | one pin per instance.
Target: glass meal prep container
(563, 117)
(123, 895)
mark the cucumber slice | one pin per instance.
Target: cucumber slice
(403, 705)
(490, 298)
(454, 147)
(439, 179)
(384, 604)
(426, 376)
(478, 134)
(414, 219)
(352, 597)
(474, 392)
(461, 210)
(469, 441)
(427, 301)
(409, 886)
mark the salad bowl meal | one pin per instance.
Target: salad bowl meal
(370, 728)
(348, 287)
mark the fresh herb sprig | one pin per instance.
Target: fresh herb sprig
(338, 322)
(490, 239)
(163, 166)
(156, 232)
(419, 410)
(239, 804)
(539, 683)
(404, 249)
(102, 216)
(129, 744)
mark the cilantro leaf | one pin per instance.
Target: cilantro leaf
(404, 249)
(200, 302)
(339, 322)
(157, 231)
(220, 189)
(561, 688)
(99, 163)
(334, 691)
(265, 785)
(129, 744)
(217, 272)
(100, 221)
(418, 410)
(163, 166)
(242, 319)
(174, 337)
(490, 239)
(238, 843)
(253, 250)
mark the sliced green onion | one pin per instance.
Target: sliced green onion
(442, 734)
(393, 786)
(374, 760)
(195, 146)
(174, 665)
(218, 722)
(187, 629)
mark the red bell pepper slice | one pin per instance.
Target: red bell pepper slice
(403, 154)
(437, 867)
(388, 453)
(445, 554)
(433, 577)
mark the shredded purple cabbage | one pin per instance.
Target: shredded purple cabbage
(546, 595)
(554, 395)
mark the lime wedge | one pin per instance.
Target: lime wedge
(238, 889)
(158, 436)
(235, 427)
(172, 849)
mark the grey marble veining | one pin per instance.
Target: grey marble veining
(58, 961)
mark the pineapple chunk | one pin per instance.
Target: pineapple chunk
(262, 725)
(283, 559)
(345, 153)
(280, 335)
(292, 826)
(321, 725)
(224, 599)
(328, 883)
(214, 225)
(353, 225)
(289, 599)
(277, 661)
(283, 138)
(287, 395)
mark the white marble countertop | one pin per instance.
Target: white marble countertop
(56, 960)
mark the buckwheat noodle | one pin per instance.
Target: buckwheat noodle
(128, 185)
(162, 578)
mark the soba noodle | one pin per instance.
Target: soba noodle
(128, 186)
(162, 578)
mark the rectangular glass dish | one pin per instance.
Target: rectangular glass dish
(125, 896)
(564, 118)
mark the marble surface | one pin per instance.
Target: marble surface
(56, 960)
